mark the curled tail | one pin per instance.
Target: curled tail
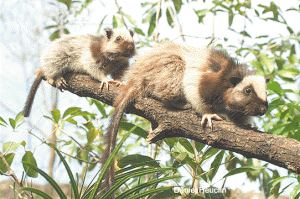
(33, 89)
(126, 95)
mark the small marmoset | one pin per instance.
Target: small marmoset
(206, 78)
(96, 56)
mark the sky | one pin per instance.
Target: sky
(23, 38)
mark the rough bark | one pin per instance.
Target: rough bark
(167, 123)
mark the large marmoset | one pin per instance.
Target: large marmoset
(206, 78)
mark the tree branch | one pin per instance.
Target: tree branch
(167, 123)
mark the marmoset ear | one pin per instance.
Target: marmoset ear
(235, 80)
(109, 32)
(131, 33)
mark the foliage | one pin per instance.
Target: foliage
(80, 134)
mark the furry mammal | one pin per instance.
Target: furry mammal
(96, 56)
(208, 79)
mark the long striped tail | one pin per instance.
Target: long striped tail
(121, 104)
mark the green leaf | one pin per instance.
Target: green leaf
(49, 27)
(66, 31)
(82, 154)
(12, 123)
(277, 180)
(36, 191)
(201, 14)
(149, 192)
(8, 158)
(240, 170)
(91, 135)
(288, 73)
(275, 187)
(246, 34)
(117, 22)
(137, 131)
(293, 57)
(100, 25)
(177, 5)
(181, 158)
(130, 19)
(166, 195)
(137, 159)
(19, 118)
(54, 35)
(9, 146)
(83, 6)
(139, 31)
(267, 62)
(146, 4)
(199, 146)
(208, 153)
(292, 126)
(128, 169)
(211, 193)
(72, 121)
(262, 36)
(2, 122)
(89, 125)
(170, 142)
(230, 17)
(68, 3)
(152, 24)
(71, 111)
(71, 177)
(29, 158)
(257, 13)
(286, 187)
(49, 179)
(216, 164)
(127, 176)
(265, 185)
(186, 144)
(290, 30)
(107, 165)
(295, 191)
(86, 115)
(169, 18)
(137, 188)
(274, 86)
(55, 115)
(101, 107)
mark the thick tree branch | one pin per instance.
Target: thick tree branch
(283, 152)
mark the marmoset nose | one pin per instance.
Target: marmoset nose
(263, 109)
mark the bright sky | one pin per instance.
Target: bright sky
(18, 20)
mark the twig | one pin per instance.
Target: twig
(245, 20)
(81, 146)
(155, 36)
(12, 174)
(211, 41)
(274, 45)
(94, 162)
(213, 33)
(121, 13)
(155, 151)
(173, 18)
(189, 36)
